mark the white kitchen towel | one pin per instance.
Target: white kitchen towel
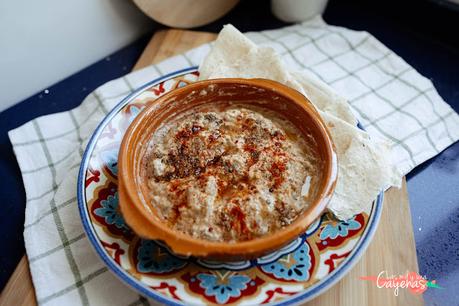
(387, 95)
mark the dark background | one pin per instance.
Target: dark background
(424, 33)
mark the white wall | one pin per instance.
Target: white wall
(44, 41)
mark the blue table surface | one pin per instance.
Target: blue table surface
(421, 33)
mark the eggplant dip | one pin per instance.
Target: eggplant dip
(230, 173)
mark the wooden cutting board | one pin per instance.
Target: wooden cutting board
(392, 249)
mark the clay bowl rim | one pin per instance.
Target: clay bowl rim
(202, 248)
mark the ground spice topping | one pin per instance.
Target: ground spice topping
(230, 174)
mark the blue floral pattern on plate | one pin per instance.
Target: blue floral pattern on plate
(152, 258)
(289, 248)
(110, 159)
(294, 266)
(134, 112)
(110, 212)
(223, 290)
(341, 229)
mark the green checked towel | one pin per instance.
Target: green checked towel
(389, 98)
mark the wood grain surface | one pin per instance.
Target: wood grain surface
(392, 248)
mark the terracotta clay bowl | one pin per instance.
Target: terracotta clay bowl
(134, 195)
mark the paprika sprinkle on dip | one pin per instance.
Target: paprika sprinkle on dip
(230, 173)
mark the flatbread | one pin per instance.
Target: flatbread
(234, 55)
(364, 168)
(324, 97)
(364, 164)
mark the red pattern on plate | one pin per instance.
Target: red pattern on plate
(273, 294)
(114, 249)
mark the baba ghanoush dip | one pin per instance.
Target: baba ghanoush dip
(230, 173)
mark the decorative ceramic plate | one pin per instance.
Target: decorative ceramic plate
(297, 272)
